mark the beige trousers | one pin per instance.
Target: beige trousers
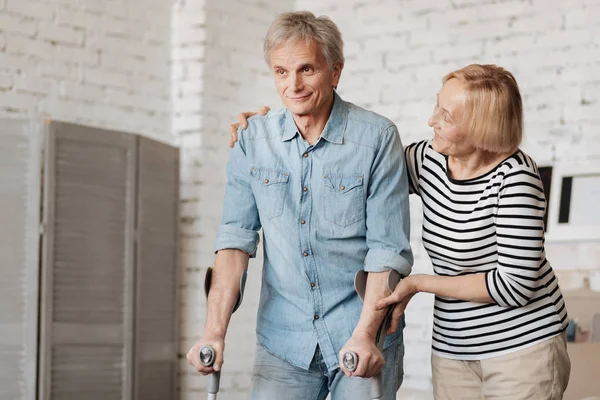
(539, 372)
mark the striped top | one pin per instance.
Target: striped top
(491, 224)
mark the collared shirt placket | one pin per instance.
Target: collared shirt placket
(306, 202)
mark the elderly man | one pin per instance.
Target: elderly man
(326, 181)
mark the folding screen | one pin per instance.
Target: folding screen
(20, 174)
(88, 264)
(157, 305)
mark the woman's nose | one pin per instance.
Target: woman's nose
(435, 116)
(432, 120)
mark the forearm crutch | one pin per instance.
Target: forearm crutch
(350, 358)
(207, 358)
(207, 354)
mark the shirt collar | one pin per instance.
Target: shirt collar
(334, 128)
(290, 130)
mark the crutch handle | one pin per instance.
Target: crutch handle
(207, 358)
(350, 361)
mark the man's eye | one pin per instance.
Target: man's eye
(307, 69)
(445, 116)
(280, 72)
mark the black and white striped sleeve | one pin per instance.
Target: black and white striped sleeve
(414, 154)
(520, 236)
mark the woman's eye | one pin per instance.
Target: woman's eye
(445, 116)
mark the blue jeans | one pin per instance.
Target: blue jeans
(274, 378)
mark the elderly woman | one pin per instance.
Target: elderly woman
(499, 315)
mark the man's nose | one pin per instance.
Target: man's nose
(296, 82)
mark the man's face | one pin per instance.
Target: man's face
(303, 78)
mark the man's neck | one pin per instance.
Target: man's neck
(311, 126)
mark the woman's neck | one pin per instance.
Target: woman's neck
(474, 164)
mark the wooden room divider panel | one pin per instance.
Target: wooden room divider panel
(89, 278)
(20, 175)
(86, 341)
(157, 327)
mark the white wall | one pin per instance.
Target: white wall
(103, 63)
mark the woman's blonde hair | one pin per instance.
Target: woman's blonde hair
(493, 110)
(304, 25)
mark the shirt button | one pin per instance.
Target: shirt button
(305, 189)
(316, 317)
(341, 187)
(303, 222)
(305, 155)
(305, 254)
(312, 284)
(266, 181)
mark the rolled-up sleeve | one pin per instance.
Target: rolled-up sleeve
(240, 223)
(388, 217)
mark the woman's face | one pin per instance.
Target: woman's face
(450, 135)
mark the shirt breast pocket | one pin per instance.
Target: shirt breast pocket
(270, 188)
(343, 199)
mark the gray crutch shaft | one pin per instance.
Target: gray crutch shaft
(207, 358)
(377, 387)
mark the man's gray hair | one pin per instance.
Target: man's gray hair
(304, 25)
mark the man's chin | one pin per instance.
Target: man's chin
(298, 110)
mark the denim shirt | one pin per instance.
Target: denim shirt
(326, 211)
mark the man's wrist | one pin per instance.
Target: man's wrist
(215, 332)
(364, 334)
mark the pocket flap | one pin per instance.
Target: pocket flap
(343, 183)
(269, 176)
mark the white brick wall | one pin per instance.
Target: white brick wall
(98, 62)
